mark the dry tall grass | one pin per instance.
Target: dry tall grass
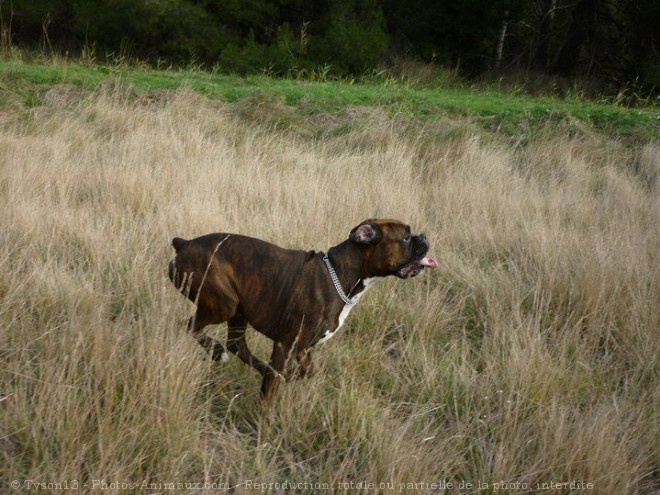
(531, 356)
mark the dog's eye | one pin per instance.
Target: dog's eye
(406, 238)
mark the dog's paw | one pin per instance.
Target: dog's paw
(219, 354)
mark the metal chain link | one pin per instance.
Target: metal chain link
(335, 281)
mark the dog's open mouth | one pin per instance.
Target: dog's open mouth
(414, 268)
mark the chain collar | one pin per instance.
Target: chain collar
(337, 284)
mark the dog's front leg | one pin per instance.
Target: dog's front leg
(305, 365)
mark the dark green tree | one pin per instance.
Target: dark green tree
(456, 33)
(351, 37)
(174, 29)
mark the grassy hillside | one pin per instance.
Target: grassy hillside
(532, 356)
(507, 113)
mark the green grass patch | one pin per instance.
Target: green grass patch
(508, 113)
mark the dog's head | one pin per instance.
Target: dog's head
(389, 248)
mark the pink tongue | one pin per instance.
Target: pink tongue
(429, 262)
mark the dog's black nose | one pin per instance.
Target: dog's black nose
(421, 245)
(421, 240)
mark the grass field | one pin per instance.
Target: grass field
(530, 357)
(507, 113)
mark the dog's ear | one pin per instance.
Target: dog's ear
(367, 233)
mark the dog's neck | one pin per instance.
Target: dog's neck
(347, 261)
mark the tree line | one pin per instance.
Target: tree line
(616, 42)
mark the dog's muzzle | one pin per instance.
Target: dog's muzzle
(418, 260)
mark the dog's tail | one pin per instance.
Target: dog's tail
(178, 243)
(173, 272)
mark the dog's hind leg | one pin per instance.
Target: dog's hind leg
(236, 344)
(212, 346)
(272, 379)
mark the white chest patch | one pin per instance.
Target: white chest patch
(367, 282)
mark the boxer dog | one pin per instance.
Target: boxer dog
(296, 298)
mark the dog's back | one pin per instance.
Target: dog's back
(234, 267)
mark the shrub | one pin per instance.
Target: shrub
(277, 58)
(355, 39)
